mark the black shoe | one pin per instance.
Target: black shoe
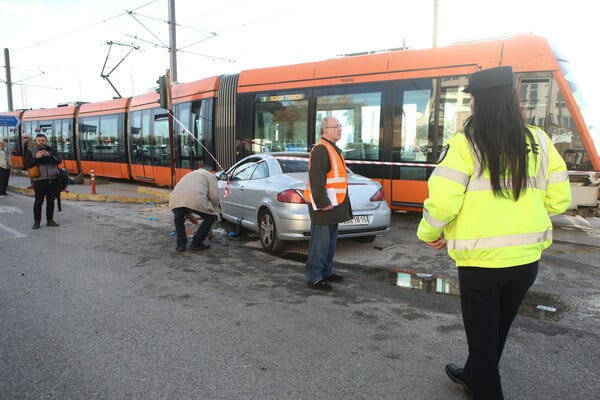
(200, 247)
(180, 248)
(457, 375)
(51, 223)
(320, 285)
(36, 225)
(333, 278)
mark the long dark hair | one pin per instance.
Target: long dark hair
(498, 133)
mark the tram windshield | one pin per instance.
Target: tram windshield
(592, 120)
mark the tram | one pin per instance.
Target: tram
(397, 108)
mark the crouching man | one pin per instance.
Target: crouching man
(196, 193)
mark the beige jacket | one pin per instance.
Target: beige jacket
(197, 190)
(4, 157)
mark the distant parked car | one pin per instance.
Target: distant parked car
(264, 193)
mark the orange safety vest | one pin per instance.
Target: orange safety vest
(337, 176)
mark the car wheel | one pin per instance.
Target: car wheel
(365, 239)
(268, 232)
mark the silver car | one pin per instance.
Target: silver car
(263, 193)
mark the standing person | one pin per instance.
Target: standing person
(45, 185)
(28, 144)
(329, 204)
(196, 193)
(490, 201)
(4, 167)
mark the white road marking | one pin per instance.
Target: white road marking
(10, 210)
(12, 231)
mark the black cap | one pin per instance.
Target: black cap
(490, 78)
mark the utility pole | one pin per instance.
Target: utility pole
(9, 96)
(436, 7)
(172, 41)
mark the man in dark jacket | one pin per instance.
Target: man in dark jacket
(329, 204)
(45, 185)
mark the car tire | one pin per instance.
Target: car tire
(365, 239)
(268, 232)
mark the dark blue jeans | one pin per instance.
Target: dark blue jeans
(321, 248)
(179, 219)
(490, 299)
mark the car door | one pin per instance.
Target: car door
(255, 190)
(232, 202)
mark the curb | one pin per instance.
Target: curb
(66, 195)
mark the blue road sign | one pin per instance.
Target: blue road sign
(9, 120)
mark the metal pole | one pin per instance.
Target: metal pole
(171, 131)
(9, 96)
(172, 41)
(435, 22)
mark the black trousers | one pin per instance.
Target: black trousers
(490, 299)
(179, 214)
(4, 176)
(44, 189)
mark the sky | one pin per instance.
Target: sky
(59, 48)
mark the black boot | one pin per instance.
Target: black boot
(36, 224)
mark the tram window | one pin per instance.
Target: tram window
(565, 136)
(160, 141)
(544, 106)
(88, 137)
(9, 134)
(360, 117)
(280, 123)
(454, 107)
(100, 138)
(64, 134)
(411, 141)
(188, 150)
(183, 143)
(140, 137)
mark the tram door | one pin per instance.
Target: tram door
(421, 130)
(141, 138)
(411, 144)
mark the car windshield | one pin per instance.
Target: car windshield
(290, 165)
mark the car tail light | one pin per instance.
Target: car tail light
(379, 196)
(290, 196)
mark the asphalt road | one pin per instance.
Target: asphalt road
(103, 307)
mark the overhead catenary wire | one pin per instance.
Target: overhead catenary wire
(82, 28)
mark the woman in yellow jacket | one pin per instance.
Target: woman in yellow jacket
(490, 201)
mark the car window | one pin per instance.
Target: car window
(261, 171)
(293, 165)
(244, 172)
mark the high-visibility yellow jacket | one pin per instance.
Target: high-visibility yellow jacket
(483, 230)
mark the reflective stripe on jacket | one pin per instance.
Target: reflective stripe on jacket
(484, 230)
(337, 176)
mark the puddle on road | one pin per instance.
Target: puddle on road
(535, 305)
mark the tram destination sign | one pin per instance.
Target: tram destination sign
(9, 120)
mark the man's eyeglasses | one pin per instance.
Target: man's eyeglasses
(333, 127)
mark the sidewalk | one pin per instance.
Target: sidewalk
(106, 190)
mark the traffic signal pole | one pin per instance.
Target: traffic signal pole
(164, 99)
(171, 132)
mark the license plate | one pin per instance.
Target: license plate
(357, 220)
